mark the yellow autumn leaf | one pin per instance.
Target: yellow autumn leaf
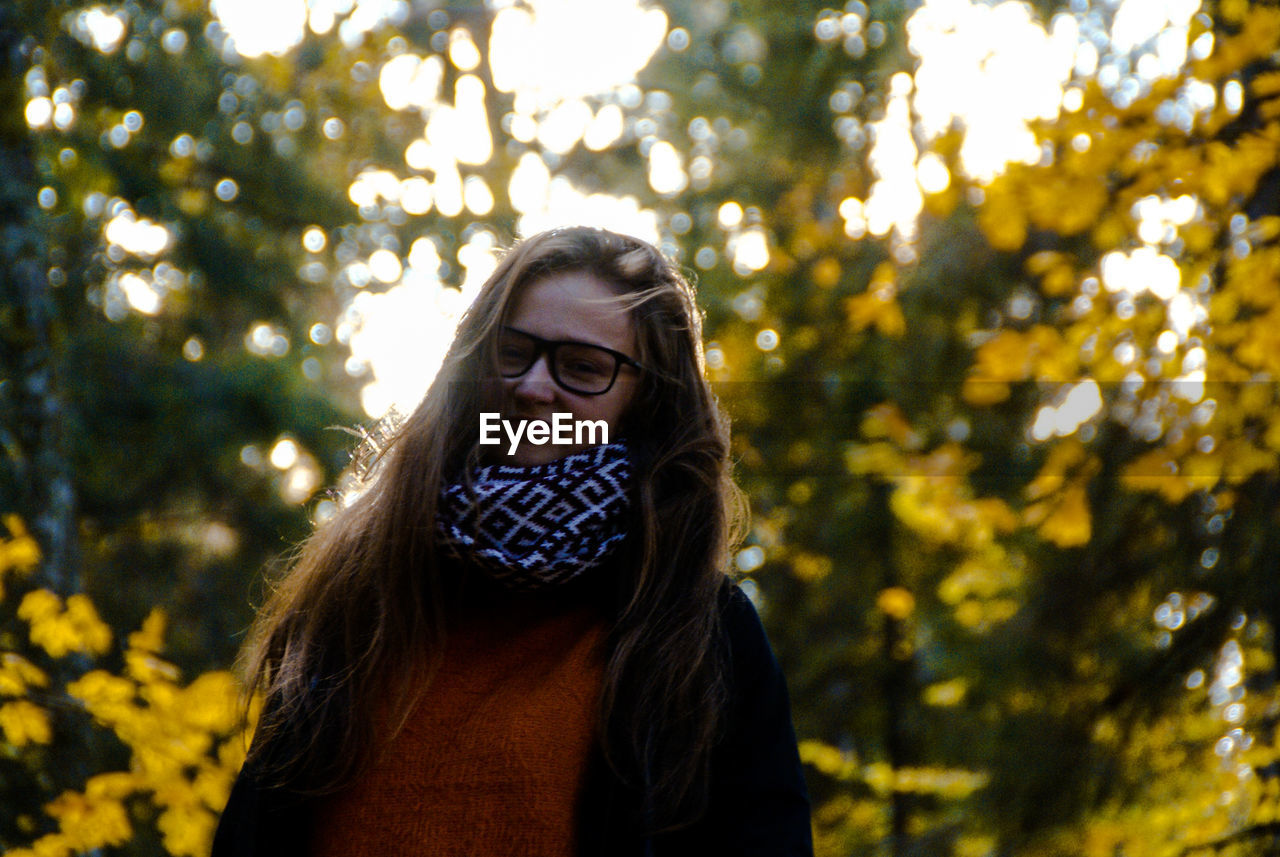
(1111, 231)
(55, 635)
(24, 723)
(1244, 460)
(60, 629)
(1069, 523)
(117, 786)
(826, 272)
(91, 822)
(828, 759)
(186, 830)
(1043, 261)
(1002, 218)
(39, 604)
(150, 637)
(103, 694)
(231, 752)
(881, 459)
(886, 420)
(1233, 10)
(13, 523)
(1150, 472)
(970, 614)
(213, 785)
(999, 610)
(1011, 355)
(1267, 83)
(1272, 436)
(143, 666)
(193, 201)
(1253, 279)
(1053, 357)
(49, 845)
(1265, 228)
(981, 576)
(1202, 470)
(877, 309)
(176, 789)
(945, 782)
(810, 567)
(800, 492)
(979, 615)
(950, 459)
(996, 513)
(945, 694)
(975, 846)
(1260, 348)
(162, 696)
(17, 675)
(1198, 237)
(920, 506)
(210, 703)
(896, 602)
(93, 635)
(879, 775)
(1064, 203)
(981, 392)
(19, 552)
(166, 763)
(1066, 457)
(1058, 281)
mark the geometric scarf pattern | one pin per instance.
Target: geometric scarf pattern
(539, 525)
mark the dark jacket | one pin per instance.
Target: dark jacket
(758, 803)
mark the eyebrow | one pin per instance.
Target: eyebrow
(608, 348)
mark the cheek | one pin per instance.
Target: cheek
(623, 408)
(493, 394)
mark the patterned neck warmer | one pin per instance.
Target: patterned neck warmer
(540, 525)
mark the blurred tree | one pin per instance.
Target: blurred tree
(1003, 380)
(165, 401)
(1018, 562)
(1022, 557)
(160, 342)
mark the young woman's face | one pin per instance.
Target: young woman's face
(570, 306)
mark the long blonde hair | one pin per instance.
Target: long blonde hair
(363, 600)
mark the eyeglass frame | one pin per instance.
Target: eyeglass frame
(548, 347)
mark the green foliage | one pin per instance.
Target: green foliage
(1012, 459)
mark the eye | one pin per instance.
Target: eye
(585, 362)
(514, 355)
(585, 367)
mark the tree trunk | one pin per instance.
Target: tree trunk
(31, 408)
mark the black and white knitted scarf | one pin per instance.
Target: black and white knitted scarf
(539, 525)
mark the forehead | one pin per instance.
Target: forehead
(574, 305)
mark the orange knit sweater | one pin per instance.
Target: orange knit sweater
(491, 760)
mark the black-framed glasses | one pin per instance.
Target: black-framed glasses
(579, 367)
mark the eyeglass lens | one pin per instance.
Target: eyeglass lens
(576, 366)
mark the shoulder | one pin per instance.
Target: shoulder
(754, 677)
(758, 803)
(742, 631)
(260, 820)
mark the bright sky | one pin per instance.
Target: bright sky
(995, 69)
(989, 65)
(401, 334)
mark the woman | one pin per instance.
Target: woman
(522, 647)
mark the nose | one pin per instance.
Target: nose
(536, 385)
